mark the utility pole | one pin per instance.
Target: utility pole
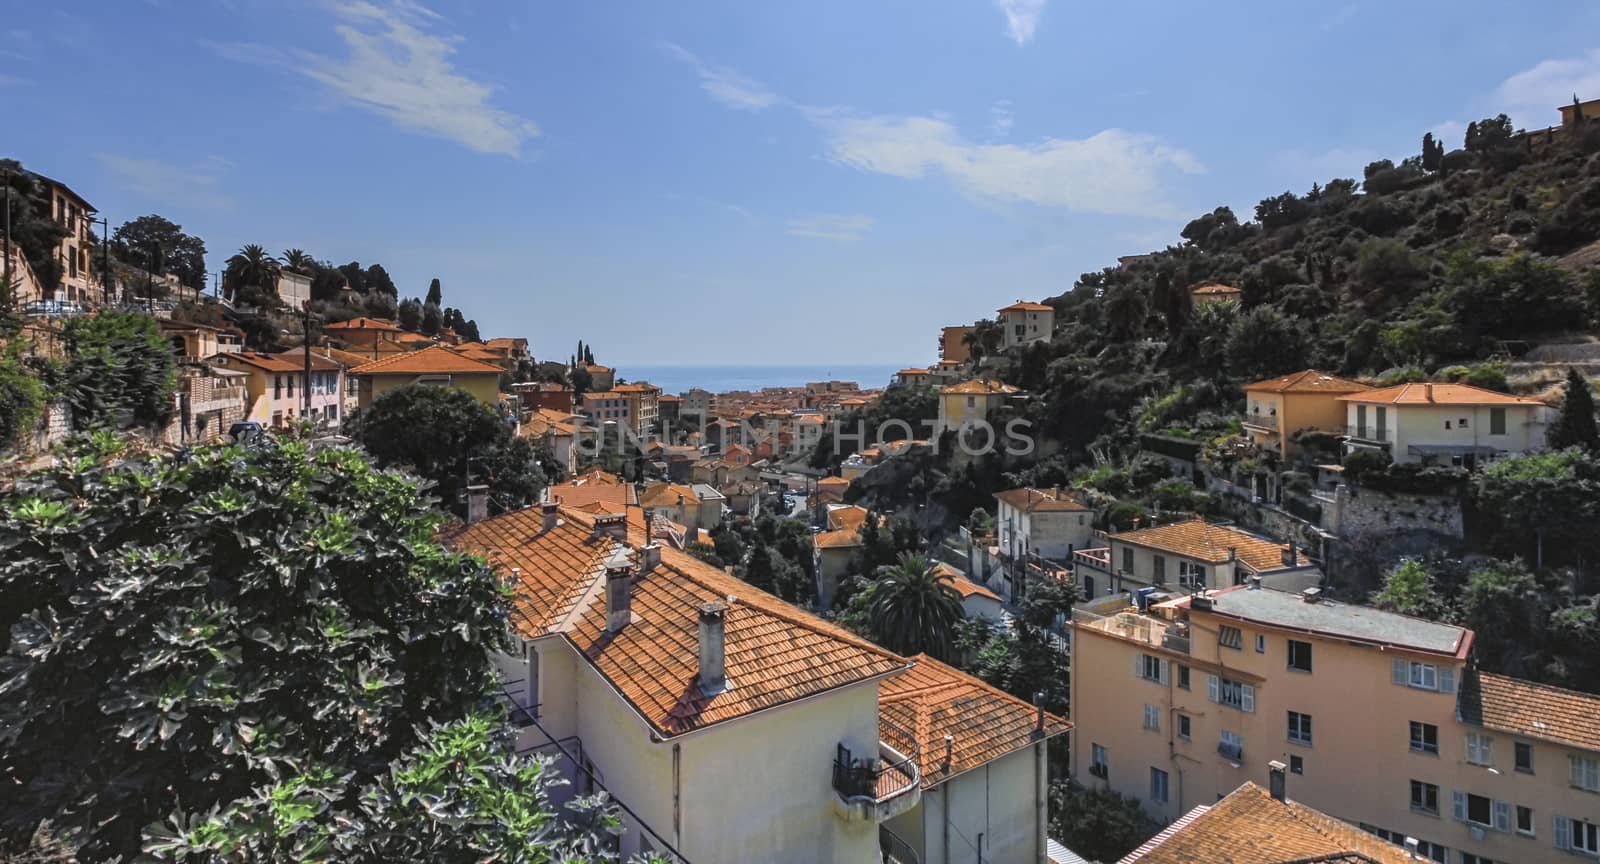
(105, 259)
(305, 307)
(150, 279)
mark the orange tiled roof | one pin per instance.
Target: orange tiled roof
(1214, 289)
(595, 487)
(1540, 711)
(668, 397)
(596, 367)
(913, 372)
(775, 653)
(1021, 306)
(1031, 500)
(1249, 827)
(284, 362)
(668, 495)
(850, 516)
(832, 481)
(964, 586)
(933, 700)
(1202, 541)
(636, 387)
(347, 359)
(1309, 381)
(981, 386)
(1438, 394)
(436, 359)
(838, 538)
(506, 342)
(363, 324)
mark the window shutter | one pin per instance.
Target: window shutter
(1399, 673)
(1138, 665)
(1563, 832)
(1211, 693)
(1447, 679)
(1458, 800)
(1248, 698)
(1502, 816)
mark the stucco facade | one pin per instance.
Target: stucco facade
(1023, 323)
(1446, 434)
(992, 805)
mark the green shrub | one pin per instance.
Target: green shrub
(120, 372)
(21, 395)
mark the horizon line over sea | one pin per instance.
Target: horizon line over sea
(676, 378)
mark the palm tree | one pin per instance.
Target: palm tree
(251, 277)
(915, 607)
(299, 260)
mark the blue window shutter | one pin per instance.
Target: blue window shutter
(1447, 679)
(1459, 802)
(1400, 673)
(1502, 816)
(1563, 832)
(1211, 687)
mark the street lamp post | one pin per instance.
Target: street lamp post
(105, 258)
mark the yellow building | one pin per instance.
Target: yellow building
(971, 401)
(1279, 407)
(369, 337)
(1381, 719)
(436, 366)
(276, 387)
(953, 345)
(1189, 556)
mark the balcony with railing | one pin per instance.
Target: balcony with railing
(1136, 627)
(1097, 559)
(1373, 434)
(877, 790)
(1265, 422)
(894, 849)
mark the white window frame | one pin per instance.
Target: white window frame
(1191, 575)
(1164, 787)
(1231, 739)
(1584, 772)
(1218, 688)
(1480, 749)
(1300, 732)
(1152, 718)
(1145, 664)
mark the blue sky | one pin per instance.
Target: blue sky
(747, 182)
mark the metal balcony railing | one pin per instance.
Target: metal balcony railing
(1380, 434)
(894, 773)
(1262, 421)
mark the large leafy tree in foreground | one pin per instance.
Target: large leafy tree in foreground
(255, 649)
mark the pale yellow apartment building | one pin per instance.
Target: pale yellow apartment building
(733, 727)
(1381, 720)
(972, 402)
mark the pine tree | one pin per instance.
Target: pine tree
(1575, 427)
(1432, 152)
(435, 293)
(1577, 111)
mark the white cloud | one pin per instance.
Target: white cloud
(843, 227)
(399, 67)
(724, 84)
(197, 186)
(1111, 172)
(1001, 119)
(1531, 97)
(1022, 18)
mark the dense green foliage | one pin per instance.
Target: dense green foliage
(451, 439)
(157, 243)
(771, 554)
(21, 395)
(1097, 823)
(120, 373)
(191, 634)
(913, 607)
(1575, 425)
(32, 227)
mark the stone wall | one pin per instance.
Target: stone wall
(1363, 512)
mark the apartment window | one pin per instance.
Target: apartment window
(1261, 643)
(1586, 772)
(1424, 738)
(1234, 694)
(1299, 727)
(1297, 765)
(1183, 726)
(291, 386)
(1230, 637)
(1497, 421)
(277, 386)
(972, 401)
(1424, 676)
(1158, 785)
(1099, 761)
(1524, 820)
(1474, 808)
(1127, 559)
(1299, 656)
(1183, 677)
(1462, 423)
(72, 262)
(1480, 749)
(1432, 851)
(1152, 718)
(1191, 575)
(1577, 835)
(1424, 797)
(1159, 569)
(1524, 756)
(1150, 668)
(1231, 745)
(1469, 858)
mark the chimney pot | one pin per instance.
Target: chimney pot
(949, 751)
(552, 514)
(614, 525)
(651, 557)
(713, 669)
(619, 599)
(477, 503)
(1277, 779)
(1038, 703)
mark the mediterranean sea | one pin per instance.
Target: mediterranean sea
(722, 379)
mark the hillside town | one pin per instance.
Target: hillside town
(1171, 567)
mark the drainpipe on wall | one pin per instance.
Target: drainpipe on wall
(677, 793)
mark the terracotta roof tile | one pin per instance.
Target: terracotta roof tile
(933, 700)
(1030, 500)
(436, 359)
(1539, 711)
(668, 495)
(1309, 381)
(774, 652)
(1249, 827)
(1021, 306)
(363, 324)
(979, 386)
(284, 362)
(964, 586)
(1202, 541)
(1214, 289)
(1438, 394)
(595, 487)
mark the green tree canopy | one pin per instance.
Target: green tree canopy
(182, 255)
(251, 277)
(435, 293)
(120, 372)
(186, 634)
(447, 436)
(1575, 425)
(914, 608)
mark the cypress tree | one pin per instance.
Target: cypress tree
(1575, 427)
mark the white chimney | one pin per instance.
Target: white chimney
(614, 525)
(619, 605)
(650, 557)
(477, 503)
(552, 515)
(1277, 779)
(713, 671)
